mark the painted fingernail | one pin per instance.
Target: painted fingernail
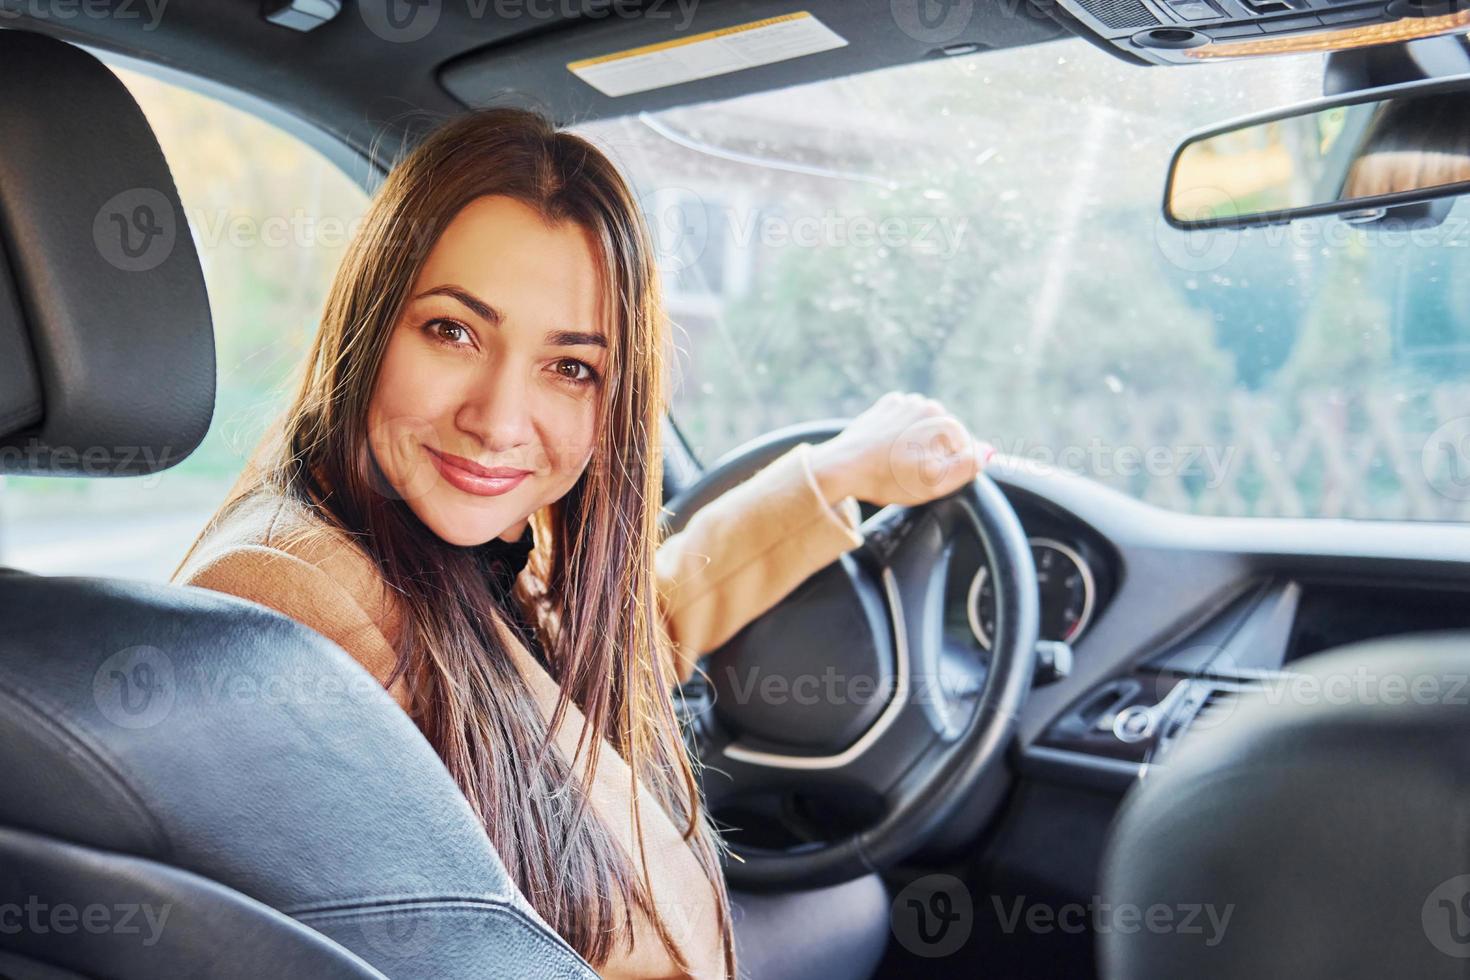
(986, 454)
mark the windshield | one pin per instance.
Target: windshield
(987, 230)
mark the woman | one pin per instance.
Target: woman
(489, 378)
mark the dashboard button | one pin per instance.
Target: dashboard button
(1134, 724)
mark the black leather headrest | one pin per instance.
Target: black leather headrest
(106, 345)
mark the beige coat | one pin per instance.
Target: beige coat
(735, 559)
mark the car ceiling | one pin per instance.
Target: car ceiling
(370, 93)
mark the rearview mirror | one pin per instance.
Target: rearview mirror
(1357, 155)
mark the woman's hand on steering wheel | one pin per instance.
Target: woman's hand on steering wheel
(906, 449)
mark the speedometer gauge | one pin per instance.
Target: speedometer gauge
(1066, 586)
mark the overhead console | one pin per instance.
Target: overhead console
(1195, 31)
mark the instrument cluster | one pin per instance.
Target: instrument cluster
(1074, 580)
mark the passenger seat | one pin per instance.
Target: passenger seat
(233, 778)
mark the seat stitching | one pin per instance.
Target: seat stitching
(386, 909)
(394, 901)
(87, 752)
(26, 413)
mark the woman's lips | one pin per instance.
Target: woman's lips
(471, 477)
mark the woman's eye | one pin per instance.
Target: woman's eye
(448, 331)
(578, 372)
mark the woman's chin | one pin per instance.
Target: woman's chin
(467, 524)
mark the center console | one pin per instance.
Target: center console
(1110, 736)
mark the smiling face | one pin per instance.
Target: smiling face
(486, 404)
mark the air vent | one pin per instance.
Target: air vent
(1120, 14)
(1205, 705)
(1216, 707)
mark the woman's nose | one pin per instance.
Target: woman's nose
(497, 411)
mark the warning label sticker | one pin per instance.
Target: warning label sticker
(761, 42)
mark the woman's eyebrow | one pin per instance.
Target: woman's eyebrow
(477, 306)
(575, 338)
(488, 313)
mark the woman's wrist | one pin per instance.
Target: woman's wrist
(833, 471)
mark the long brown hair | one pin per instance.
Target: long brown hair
(593, 591)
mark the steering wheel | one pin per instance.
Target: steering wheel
(846, 691)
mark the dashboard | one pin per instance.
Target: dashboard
(1169, 614)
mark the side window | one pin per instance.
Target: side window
(271, 218)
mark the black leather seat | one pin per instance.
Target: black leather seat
(1319, 830)
(190, 785)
